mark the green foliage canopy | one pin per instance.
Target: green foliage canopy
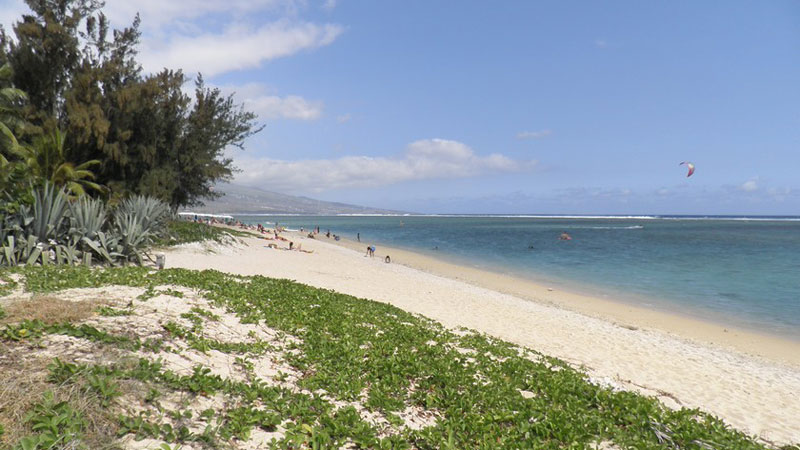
(146, 135)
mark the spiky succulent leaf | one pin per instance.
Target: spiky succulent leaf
(87, 218)
(133, 237)
(150, 212)
(49, 214)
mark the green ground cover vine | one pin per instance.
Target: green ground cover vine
(392, 362)
(184, 232)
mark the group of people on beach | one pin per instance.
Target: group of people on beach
(275, 232)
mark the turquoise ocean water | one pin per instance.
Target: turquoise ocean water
(739, 271)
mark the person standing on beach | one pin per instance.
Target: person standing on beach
(358, 236)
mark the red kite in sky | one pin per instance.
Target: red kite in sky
(690, 166)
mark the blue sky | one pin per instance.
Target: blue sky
(502, 107)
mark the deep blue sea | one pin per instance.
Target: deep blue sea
(739, 271)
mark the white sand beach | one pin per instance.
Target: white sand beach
(749, 380)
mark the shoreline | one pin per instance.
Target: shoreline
(686, 315)
(772, 347)
(754, 391)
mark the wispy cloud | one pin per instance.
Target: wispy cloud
(160, 16)
(329, 5)
(290, 107)
(236, 48)
(600, 43)
(423, 159)
(534, 134)
(263, 101)
(210, 36)
(344, 118)
(779, 194)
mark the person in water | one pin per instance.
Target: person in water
(565, 236)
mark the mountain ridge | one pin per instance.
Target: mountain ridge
(240, 199)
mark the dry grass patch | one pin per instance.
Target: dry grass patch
(49, 309)
(23, 384)
(22, 381)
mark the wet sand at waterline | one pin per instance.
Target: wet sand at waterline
(749, 380)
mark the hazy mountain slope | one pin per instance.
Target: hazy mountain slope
(243, 199)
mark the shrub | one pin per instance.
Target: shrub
(85, 226)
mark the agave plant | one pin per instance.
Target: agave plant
(67, 253)
(84, 227)
(49, 213)
(15, 252)
(87, 218)
(106, 246)
(8, 251)
(138, 221)
(151, 212)
(133, 237)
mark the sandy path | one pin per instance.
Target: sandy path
(753, 394)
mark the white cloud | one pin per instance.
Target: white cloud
(209, 36)
(290, 107)
(261, 100)
(329, 5)
(534, 134)
(158, 14)
(750, 185)
(423, 159)
(236, 48)
(344, 118)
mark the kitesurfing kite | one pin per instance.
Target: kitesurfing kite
(690, 166)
